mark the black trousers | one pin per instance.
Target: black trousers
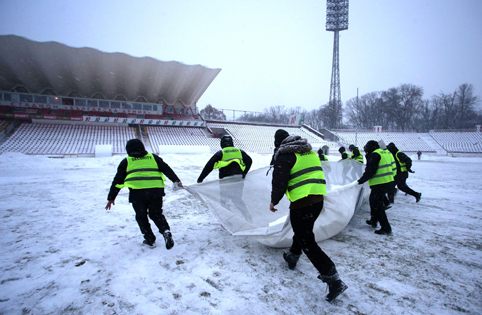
(302, 221)
(152, 208)
(377, 201)
(401, 181)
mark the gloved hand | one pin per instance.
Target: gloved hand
(411, 171)
(176, 186)
(199, 181)
(244, 175)
(358, 181)
(269, 169)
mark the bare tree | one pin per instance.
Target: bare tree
(466, 102)
(333, 115)
(398, 108)
(354, 112)
(367, 111)
(314, 118)
(448, 114)
(276, 114)
(402, 104)
(209, 112)
(426, 118)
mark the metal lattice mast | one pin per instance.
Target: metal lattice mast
(335, 93)
(336, 21)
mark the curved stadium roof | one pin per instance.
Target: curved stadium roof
(54, 68)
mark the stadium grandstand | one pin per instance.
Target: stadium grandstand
(57, 100)
(454, 141)
(411, 141)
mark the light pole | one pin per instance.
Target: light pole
(336, 21)
(356, 125)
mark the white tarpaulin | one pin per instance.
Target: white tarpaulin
(242, 205)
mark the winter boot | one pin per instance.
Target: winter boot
(418, 196)
(291, 259)
(372, 222)
(168, 239)
(335, 285)
(148, 244)
(386, 229)
(383, 231)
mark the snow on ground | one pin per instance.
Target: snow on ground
(63, 253)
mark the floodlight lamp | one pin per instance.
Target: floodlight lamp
(336, 15)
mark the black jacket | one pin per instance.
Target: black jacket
(322, 156)
(281, 176)
(403, 158)
(230, 170)
(272, 157)
(373, 160)
(356, 153)
(149, 192)
(344, 155)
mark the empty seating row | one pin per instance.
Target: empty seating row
(459, 142)
(39, 138)
(161, 135)
(66, 139)
(258, 138)
(2, 123)
(151, 116)
(409, 141)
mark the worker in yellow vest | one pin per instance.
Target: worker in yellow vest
(143, 173)
(379, 174)
(404, 166)
(230, 161)
(355, 153)
(322, 153)
(343, 153)
(298, 174)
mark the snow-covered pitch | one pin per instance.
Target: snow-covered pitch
(63, 253)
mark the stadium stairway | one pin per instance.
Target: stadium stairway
(432, 143)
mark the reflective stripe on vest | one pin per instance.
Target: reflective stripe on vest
(359, 158)
(403, 166)
(142, 173)
(306, 177)
(384, 172)
(394, 164)
(230, 155)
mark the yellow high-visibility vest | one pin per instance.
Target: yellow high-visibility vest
(359, 158)
(403, 166)
(142, 173)
(384, 172)
(306, 177)
(230, 155)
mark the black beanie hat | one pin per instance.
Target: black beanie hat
(279, 136)
(227, 141)
(135, 146)
(371, 146)
(392, 147)
(341, 149)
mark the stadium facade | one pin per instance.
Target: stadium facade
(64, 101)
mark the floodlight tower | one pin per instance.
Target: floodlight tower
(336, 21)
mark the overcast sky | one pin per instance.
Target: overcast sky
(274, 52)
